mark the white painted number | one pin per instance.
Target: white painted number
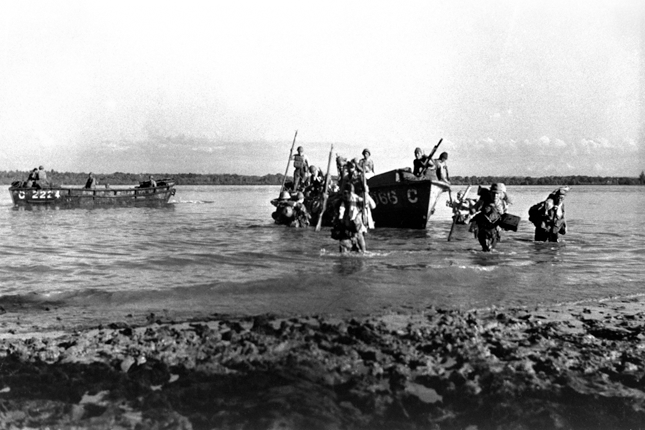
(387, 197)
(41, 194)
(412, 195)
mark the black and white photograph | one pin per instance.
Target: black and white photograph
(339, 215)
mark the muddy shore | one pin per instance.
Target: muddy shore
(568, 367)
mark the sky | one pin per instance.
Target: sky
(520, 88)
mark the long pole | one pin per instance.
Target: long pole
(325, 191)
(456, 211)
(365, 200)
(284, 179)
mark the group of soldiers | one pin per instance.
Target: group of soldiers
(488, 215)
(347, 205)
(37, 178)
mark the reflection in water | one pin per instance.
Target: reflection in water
(350, 264)
(494, 258)
(547, 252)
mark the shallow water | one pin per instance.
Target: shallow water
(216, 249)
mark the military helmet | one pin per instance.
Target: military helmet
(287, 211)
(285, 196)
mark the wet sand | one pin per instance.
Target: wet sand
(570, 367)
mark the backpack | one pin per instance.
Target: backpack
(534, 213)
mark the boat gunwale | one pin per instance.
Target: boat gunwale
(73, 196)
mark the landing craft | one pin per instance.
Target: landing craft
(76, 197)
(404, 200)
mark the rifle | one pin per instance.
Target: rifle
(326, 191)
(428, 159)
(284, 179)
(435, 148)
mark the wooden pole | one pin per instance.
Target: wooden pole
(284, 179)
(325, 191)
(365, 200)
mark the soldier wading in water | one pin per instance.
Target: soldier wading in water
(487, 214)
(548, 217)
(349, 228)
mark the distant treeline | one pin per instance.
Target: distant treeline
(119, 178)
(548, 180)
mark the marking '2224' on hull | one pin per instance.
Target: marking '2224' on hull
(67, 197)
(403, 200)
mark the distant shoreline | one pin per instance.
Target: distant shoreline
(120, 178)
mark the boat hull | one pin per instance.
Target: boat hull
(403, 200)
(63, 197)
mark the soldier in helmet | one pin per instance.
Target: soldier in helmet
(548, 217)
(496, 195)
(421, 163)
(366, 164)
(283, 209)
(349, 228)
(441, 165)
(41, 177)
(301, 169)
(316, 181)
(487, 213)
(301, 216)
(91, 182)
(32, 178)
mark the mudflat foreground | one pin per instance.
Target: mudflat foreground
(569, 367)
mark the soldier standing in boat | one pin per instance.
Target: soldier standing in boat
(421, 163)
(32, 178)
(441, 164)
(41, 177)
(424, 162)
(91, 182)
(316, 181)
(366, 164)
(301, 168)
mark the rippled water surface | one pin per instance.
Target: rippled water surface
(216, 249)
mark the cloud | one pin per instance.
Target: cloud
(208, 149)
(510, 85)
(116, 146)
